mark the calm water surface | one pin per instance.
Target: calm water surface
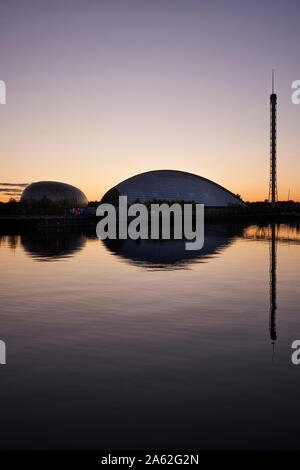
(145, 345)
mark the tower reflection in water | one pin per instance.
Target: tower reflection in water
(269, 233)
(274, 233)
(165, 254)
(273, 266)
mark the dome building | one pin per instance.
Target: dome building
(55, 192)
(172, 185)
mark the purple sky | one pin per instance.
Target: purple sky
(98, 91)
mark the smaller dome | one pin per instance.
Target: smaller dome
(55, 192)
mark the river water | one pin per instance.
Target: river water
(146, 345)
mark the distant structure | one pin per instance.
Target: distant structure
(55, 192)
(171, 186)
(273, 194)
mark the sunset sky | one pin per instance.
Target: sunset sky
(100, 90)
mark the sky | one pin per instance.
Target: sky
(101, 90)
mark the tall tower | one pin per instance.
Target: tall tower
(273, 194)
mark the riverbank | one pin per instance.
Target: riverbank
(216, 214)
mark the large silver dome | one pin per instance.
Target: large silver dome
(55, 192)
(172, 185)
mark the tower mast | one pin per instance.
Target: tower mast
(273, 194)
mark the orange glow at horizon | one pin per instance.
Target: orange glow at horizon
(148, 88)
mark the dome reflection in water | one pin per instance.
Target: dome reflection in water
(171, 254)
(111, 338)
(52, 245)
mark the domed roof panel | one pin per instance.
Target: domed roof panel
(172, 185)
(55, 192)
